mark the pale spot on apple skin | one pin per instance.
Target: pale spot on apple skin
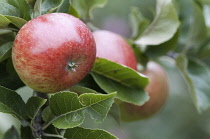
(50, 33)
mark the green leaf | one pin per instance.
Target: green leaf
(64, 7)
(23, 7)
(4, 21)
(163, 27)
(198, 31)
(47, 114)
(128, 83)
(12, 103)
(132, 95)
(115, 113)
(7, 9)
(197, 76)
(37, 9)
(163, 48)
(138, 22)
(18, 22)
(26, 133)
(98, 105)
(12, 133)
(6, 36)
(69, 109)
(5, 51)
(81, 133)
(73, 11)
(207, 2)
(67, 101)
(9, 77)
(48, 6)
(33, 105)
(119, 73)
(81, 90)
(85, 8)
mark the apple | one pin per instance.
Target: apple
(53, 52)
(113, 47)
(157, 89)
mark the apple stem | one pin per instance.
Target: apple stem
(37, 123)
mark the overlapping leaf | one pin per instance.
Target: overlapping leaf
(12, 103)
(119, 73)
(5, 51)
(33, 105)
(81, 133)
(164, 25)
(4, 21)
(23, 7)
(128, 83)
(198, 31)
(18, 22)
(7, 9)
(49, 6)
(138, 23)
(85, 8)
(197, 76)
(69, 109)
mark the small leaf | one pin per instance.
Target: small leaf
(163, 27)
(47, 114)
(7, 9)
(48, 6)
(4, 21)
(18, 22)
(23, 7)
(12, 103)
(98, 105)
(33, 105)
(11, 134)
(81, 133)
(85, 8)
(119, 73)
(132, 95)
(138, 23)
(197, 76)
(5, 51)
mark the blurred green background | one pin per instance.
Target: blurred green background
(178, 119)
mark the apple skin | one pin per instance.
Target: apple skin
(53, 52)
(113, 47)
(157, 89)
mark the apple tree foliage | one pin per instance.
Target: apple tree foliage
(172, 33)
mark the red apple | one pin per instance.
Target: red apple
(53, 52)
(113, 47)
(157, 89)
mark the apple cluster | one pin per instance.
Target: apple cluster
(55, 51)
